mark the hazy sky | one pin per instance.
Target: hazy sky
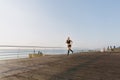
(89, 23)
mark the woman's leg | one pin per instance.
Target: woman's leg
(71, 50)
(68, 52)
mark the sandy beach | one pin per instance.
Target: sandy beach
(79, 66)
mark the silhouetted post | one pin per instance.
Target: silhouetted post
(103, 49)
(111, 48)
(114, 47)
(34, 51)
(108, 48)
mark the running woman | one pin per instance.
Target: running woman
(69, 45)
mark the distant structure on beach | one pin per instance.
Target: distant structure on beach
(111, 49)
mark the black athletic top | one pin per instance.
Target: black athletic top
(68, 41)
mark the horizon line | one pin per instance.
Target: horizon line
(30, 46)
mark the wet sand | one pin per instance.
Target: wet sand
(79, 66)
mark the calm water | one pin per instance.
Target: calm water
(23, 53)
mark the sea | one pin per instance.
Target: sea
(16, 53)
